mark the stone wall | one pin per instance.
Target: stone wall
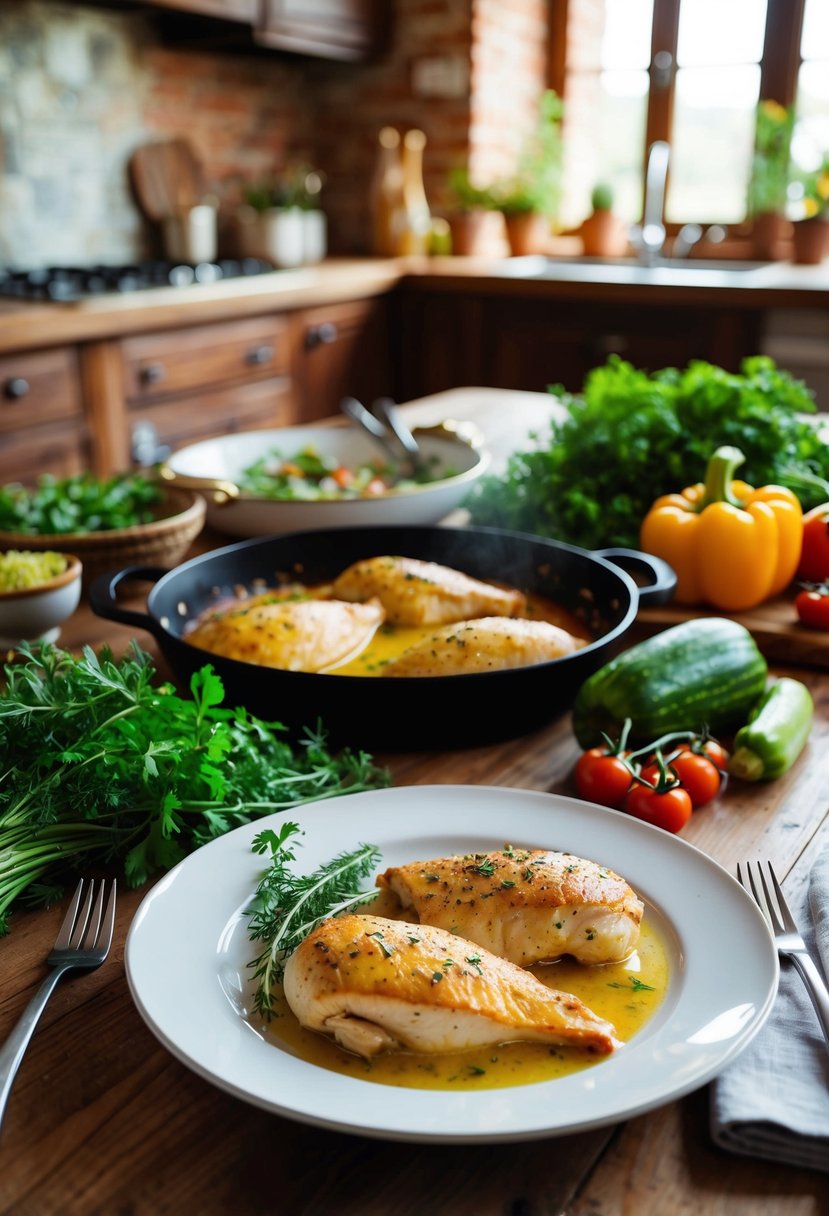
(81, 87)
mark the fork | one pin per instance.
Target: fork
(82, 944)
(787, 936)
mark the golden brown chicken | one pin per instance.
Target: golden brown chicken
(526, 905)
(294, 635)
(415, 592)
(381, 985)
(492, 643)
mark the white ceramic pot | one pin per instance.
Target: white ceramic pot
(32, 613)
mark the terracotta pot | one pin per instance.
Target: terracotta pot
(604, 235)
(470, 232)
(527, 232)
(768, 236)
(810, 241)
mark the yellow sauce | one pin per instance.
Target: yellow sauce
(626, 994)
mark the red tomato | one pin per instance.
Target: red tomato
(715, 752)
(814, 556)
(812, 607)
(343, 476)
(670, 809)
(698, 775)
(601, 777)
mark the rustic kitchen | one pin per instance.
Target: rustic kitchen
(427, 342)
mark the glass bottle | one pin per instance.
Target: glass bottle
(414, 232)
(386, 194)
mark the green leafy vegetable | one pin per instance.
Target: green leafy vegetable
(81, 503)
(633, 435)
(100, 766)
(287, 907)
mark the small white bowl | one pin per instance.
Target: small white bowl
(37, 613)
(215, 466)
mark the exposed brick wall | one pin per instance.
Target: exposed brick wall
(81, 87)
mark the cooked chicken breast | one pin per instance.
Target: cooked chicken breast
(526, 905)
(294, 635)
(492, 643)
(415, 592)
(381, 985)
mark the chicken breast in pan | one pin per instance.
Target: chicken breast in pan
(492, 643)
(294, 635)
(415, 592)
(381, 985)
(526, 905)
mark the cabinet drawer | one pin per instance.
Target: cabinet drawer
(38, 387)
(161, 365)
(60, 448)
(247, 407)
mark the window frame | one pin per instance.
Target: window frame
(779, 70)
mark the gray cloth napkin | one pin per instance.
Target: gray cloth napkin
(773, 1101)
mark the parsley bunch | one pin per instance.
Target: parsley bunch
(632, 435)
(101, 767)
(79, 503)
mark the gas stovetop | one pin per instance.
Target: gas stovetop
(68, 283)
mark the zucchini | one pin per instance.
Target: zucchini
(775, 734)
(706, 673)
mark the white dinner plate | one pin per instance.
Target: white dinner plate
(188, 951)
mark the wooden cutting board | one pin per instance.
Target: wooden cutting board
(167, 178)
(774, 626)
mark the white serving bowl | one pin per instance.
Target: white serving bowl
(214, 467)
(36, 613)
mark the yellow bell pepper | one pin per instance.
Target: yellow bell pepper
(732, 546)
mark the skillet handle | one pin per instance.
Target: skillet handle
(103, 597)
(661, 577)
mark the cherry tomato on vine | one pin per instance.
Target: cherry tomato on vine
(698, 775)
(812, 606)
(716, 753)
(669, 809)
(602, 777)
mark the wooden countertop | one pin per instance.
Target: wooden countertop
(32, 325)
(103, 1119)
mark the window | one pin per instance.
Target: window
(690, 72)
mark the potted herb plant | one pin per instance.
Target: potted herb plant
(470, 216)
(769, 181)
(603, 233)
(810, 233)
(284, 223)
(530, 199)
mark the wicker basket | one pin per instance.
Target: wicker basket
(163, 542)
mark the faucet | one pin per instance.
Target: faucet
(649, 237)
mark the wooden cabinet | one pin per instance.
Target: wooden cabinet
(206, 380)
(342, 350)
(42, 424)
(226, 10)
(509, 341)
(332, 29)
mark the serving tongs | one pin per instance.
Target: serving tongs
(383, 422)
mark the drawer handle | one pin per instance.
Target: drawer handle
(259, 355)
(15, 388)
(321, 335)
(152, 373)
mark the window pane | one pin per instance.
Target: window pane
(711, 144)
(604, 138)
(815, 41)
(810, 141)
(609, 34)
(721, 31)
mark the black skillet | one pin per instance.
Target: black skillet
(386, 713)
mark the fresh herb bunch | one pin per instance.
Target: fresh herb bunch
(287, 907)
(102, 767)
(80, 503)
(633, 435)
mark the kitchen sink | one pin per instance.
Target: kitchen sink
(627, 269)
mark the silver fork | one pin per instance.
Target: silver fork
(82, 944)
(787, 936)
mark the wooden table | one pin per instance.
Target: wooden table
(103, 1120)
